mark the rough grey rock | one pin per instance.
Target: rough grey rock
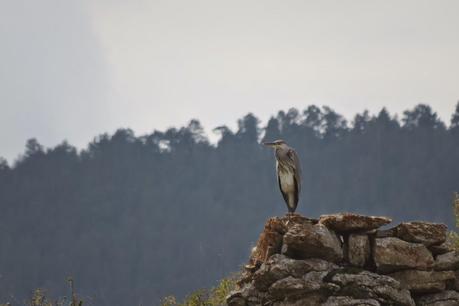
(235, 298)
(246, 296)
(299, 261)
(447, 261)
(357, 249)
(423, 281)
(309, 299)
(347, 222)
(422, 232)
(393, 254)
(441, 249)
(312, 241)
(279, 266)
(270, 240)
(391, 232)
(299, 288)
(349, 301)
(318, 278)
(445, 298)
(368, 285)
(291, 287)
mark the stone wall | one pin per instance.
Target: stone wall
(346, 259)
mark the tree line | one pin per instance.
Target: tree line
(136, 218)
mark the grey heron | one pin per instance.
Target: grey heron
(288, 172)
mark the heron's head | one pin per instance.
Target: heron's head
(275, 144)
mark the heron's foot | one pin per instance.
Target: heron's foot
(289, 216)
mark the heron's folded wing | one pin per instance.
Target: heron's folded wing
(295, 164)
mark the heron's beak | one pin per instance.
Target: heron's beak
(269, 144)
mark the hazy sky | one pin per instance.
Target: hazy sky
(74, 69)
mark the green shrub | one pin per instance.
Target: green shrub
(40, 298)
(453, 236)
(204, 297)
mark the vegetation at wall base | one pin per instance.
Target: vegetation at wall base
(204, 297)
(40, 297)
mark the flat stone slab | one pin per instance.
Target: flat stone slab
(422, 232)
(347, 222)
(392, 254)
(423, 281)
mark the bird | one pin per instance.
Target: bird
(288, 172)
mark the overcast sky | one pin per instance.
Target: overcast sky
(75, 69)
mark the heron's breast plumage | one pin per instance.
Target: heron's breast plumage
(287, 180)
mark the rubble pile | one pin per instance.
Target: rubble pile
(346, 259)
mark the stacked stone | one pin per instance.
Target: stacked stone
(345, 259)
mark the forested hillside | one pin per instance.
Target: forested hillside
(134, 218)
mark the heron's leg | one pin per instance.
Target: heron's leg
(291, 203)
(289, 217)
